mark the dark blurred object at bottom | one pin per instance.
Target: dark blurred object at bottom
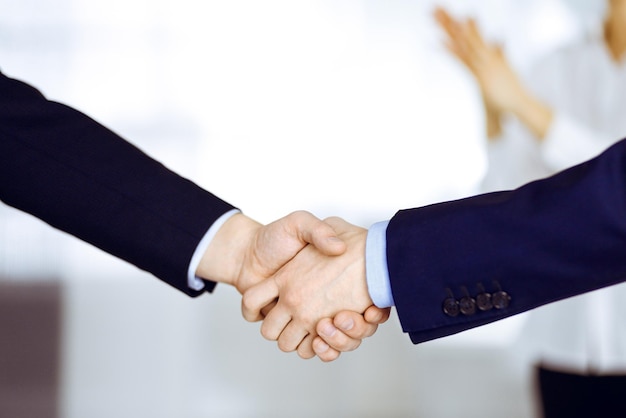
(571, 395)
(30, 338)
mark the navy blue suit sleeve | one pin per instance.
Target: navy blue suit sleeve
(548, 240)
(73, 173)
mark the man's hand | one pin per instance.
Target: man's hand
(343, 333)
(311, 287)
(244, 252)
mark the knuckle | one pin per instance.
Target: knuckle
(305, 353)
(292, 300)
(308, 319)
(355, 344)
(300, 215)
(370, 331)
(248, 317)
(247, 302)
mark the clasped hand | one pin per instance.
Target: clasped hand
(305, 278)
(311, 287)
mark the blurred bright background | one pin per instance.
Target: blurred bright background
(349, 108)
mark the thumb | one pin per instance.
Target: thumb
(314, 231)
(376, 315)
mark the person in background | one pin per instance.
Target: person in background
(569, 108)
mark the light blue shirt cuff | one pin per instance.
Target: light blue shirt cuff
(193, 281)
(377, 274)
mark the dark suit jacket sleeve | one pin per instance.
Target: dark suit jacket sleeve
(548, 240)
(68, 170)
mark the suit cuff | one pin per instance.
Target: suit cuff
(377, 274)
(193, 281)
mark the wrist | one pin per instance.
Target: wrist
(519, 102)
(222, 260)
(533, 113)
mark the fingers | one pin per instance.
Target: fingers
(376, 315)
(354, 326)
(444, 19)
(259, 302)
(479, 51)
(290, 337)
(473, 34)
(314, 231)
(456, 41)
(348, 335)
(324, 351)
(274, 245)
(297, 292)
(464, 40)
(268, 308)
(257, 298)
(274, 323)
(346, 331)
(305, 349)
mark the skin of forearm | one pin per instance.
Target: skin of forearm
(534, 114)
(492, 121)
(222, 260)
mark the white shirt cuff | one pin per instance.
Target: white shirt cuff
(193, 281)
(377, 274)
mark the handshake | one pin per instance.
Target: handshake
(303, 277)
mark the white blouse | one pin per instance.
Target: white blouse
(586, 89)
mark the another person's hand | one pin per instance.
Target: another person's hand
(499, 84)
(343, 333)
(311, 287)
(501, 88)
